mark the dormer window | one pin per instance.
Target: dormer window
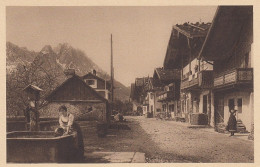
(91, 82)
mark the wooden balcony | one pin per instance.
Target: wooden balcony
(235, 76)
(166, 96)
(201, 80)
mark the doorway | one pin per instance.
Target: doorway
(219, 109)
(231, 104)
(239, 108)
(205, 106)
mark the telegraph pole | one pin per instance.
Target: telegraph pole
(112, 76)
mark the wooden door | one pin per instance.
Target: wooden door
(205, 106)
(219, 110)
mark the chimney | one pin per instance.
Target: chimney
(69, 72)
(94, 72)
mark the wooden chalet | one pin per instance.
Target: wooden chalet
(79, 98)
(229, 44)
(168, 95)
(138, 94)
(196, 76)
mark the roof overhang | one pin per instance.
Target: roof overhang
(225, 31)
(188, 35)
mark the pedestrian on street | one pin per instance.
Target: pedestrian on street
(232, 122)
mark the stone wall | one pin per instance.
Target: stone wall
(79, 109)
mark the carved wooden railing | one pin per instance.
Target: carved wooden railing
(235, 76)
(203, 79)
(167, 96)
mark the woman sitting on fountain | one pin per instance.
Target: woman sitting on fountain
(66, 120)
(68, 125)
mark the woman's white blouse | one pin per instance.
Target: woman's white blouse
(68, 119)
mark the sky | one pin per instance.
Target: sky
(140, 34)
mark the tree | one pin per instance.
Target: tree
(34, 73)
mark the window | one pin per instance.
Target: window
(239, 105)
(91, 82)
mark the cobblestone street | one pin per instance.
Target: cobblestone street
(196, 145)
(169, 141)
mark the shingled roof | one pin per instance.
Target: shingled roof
(169, 74)
(193, 30)
(75, 89)
(141, 81)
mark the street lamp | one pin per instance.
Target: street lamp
(33, 93)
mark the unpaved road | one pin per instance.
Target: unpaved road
(196, 145)
(168, 141)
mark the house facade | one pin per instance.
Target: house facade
(167, 84)
(138, 96)
(99, 84)
(169, 98)
(229, 44)
(151, 99)
(196, 76)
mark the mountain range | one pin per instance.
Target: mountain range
(59, 58)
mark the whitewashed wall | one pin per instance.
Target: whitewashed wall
(245, 116)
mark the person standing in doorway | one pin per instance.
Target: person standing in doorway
(232, 122)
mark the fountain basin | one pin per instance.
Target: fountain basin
(40, 147)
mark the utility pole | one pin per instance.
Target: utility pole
(112, 76)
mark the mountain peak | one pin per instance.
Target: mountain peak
(65, 44)
(56, 59)
(47, 49)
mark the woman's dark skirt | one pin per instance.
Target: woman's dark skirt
(232, 124)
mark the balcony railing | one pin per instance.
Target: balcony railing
(235, 76)
(166, 96)
(202, 79)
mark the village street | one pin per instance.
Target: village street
(169, 141)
